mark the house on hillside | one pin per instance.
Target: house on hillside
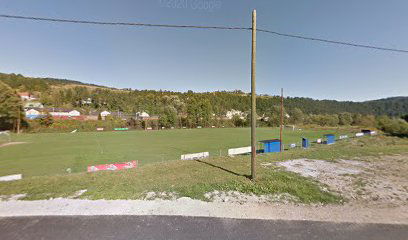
(232, 113)
(33, 105)
(26, 96)
(60, 112)
(33, 113)
(105, 114)
(142, 115)
(87, 101)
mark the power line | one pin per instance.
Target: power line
(203, 27)
(333, 41)
(121, 23)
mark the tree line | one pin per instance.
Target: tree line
(189, 109)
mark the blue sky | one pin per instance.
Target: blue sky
(208, 60)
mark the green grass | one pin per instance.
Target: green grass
(53, 153)
(195, 178)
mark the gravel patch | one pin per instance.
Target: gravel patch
(372, 181)
(315, 168)
(241, 198)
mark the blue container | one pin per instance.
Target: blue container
(331, 138)
(272, 145)
(305, 143)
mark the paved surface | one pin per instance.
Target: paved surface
(189, 228)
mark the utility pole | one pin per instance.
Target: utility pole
(18, 120)
(281, 121)
(253, 98)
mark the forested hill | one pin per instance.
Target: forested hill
(68, 93)
(18, 81)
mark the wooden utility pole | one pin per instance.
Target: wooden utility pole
(281, 121)
(253, 98)
(18, 120)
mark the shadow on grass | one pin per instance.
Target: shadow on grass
(224, 169)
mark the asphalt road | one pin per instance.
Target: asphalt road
(189, 228)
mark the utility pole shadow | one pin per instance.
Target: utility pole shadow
(224, 169)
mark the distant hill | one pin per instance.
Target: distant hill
(394, 106)
(63, 92)
(18, 81)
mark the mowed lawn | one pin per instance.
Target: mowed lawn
(54, 153)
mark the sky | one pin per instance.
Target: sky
(209, 60)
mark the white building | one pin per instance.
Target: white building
(232, 113)
(65, 113)
(32, 112)
(25, 96)
(33, 105)
(105, 114)
(142, 115)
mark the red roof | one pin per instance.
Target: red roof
(24, 94)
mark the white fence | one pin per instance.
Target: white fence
(195, 156)
(237, 151)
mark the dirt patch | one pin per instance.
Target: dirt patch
(367, 181)
(241, 198)
(11, 144)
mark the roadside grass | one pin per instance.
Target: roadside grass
(195, 178)
(53, 153)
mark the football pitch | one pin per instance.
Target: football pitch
(54, 153)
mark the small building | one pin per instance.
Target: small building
(87, 101)
(26, 96)
(330, 138)
(272, 145)
(142, 115)
(233, 112)
(33, 105)
(32, 114)
(105, 114)
(60, 112)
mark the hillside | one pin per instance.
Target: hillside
(18, 81)
(63, 92)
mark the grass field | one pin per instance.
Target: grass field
(53, 153)
(195, 178)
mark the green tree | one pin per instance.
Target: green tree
(296, 116)
(345, 119)
(238, 121)
(168, 118)
(11, 109)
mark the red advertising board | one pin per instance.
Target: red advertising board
(112, 166)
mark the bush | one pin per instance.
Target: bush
(394, 127)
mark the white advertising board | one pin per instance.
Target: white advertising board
(237, 151)
(343, 137)
(195, 156)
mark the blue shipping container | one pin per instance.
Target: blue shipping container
(331, 138)
(272, 145)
